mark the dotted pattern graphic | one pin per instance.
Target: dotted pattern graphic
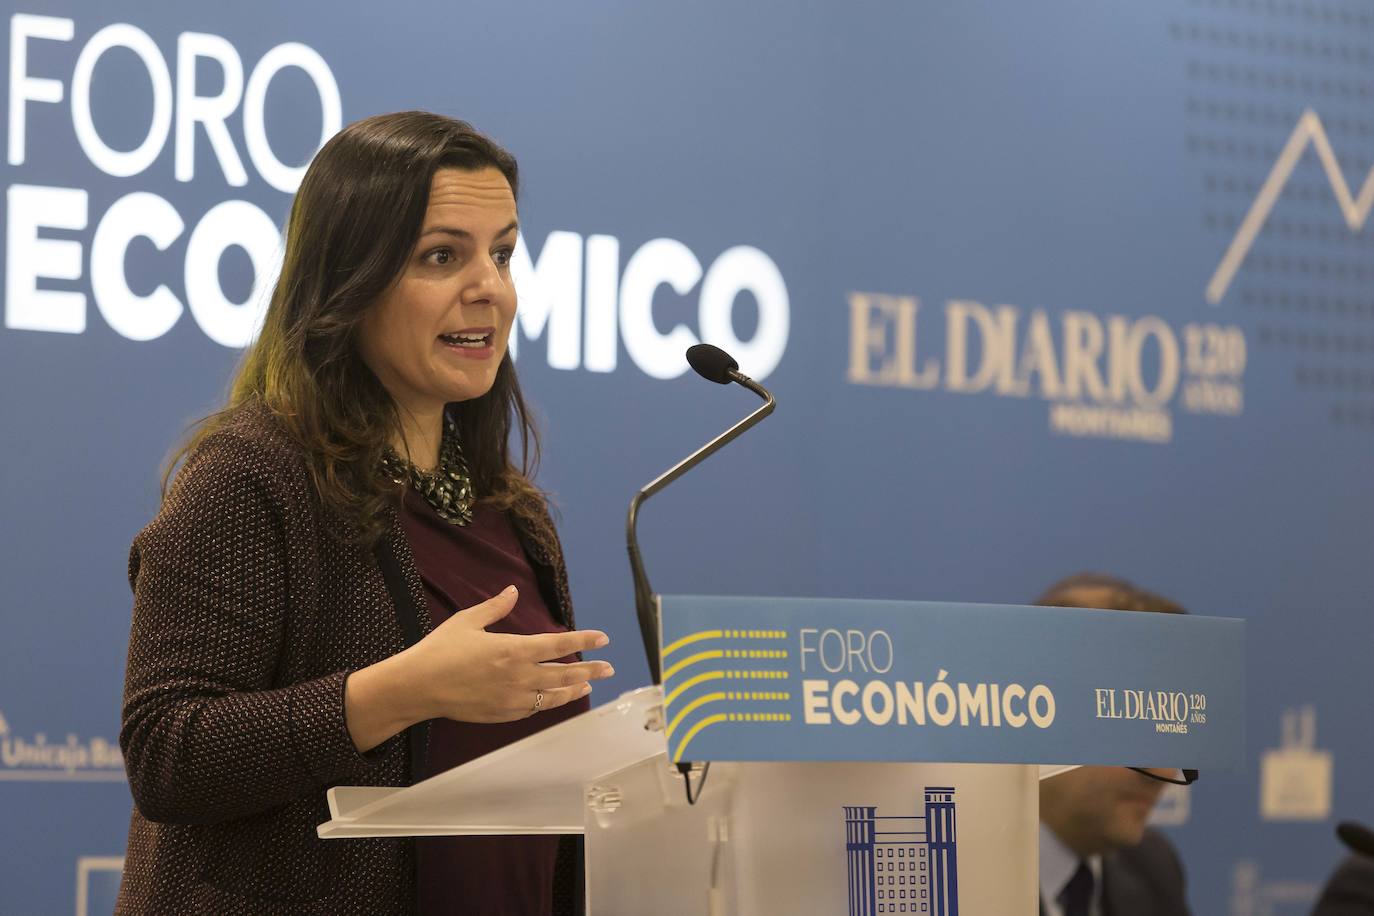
(1253, 67)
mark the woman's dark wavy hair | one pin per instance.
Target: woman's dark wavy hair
(353, 225)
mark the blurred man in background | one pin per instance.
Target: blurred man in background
(1350, 890)
(1097, 857)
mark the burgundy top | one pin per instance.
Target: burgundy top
(462, 566)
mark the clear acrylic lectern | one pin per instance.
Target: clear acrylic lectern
(763, 838)
(797, 814)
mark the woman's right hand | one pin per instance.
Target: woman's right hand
(470, 675)
(460, 671)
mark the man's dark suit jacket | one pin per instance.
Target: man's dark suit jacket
(1350, 891)
(1143, 880)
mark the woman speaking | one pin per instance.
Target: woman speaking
(351, 579)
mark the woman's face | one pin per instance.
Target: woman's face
(440, 332)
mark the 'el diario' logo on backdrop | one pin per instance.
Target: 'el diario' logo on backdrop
(36, 758)
(1104, 376)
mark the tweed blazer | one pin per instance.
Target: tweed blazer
(250, 611)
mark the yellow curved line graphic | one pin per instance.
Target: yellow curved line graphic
(690, 683)
(692, 733)
(695, 704)
(692, 660)
(688, 640)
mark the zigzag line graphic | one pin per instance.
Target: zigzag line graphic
(1355, 209)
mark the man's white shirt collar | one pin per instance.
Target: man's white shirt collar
(1057, 865)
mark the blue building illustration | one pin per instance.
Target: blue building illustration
(903, 863)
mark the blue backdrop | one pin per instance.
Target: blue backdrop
(1040, 287)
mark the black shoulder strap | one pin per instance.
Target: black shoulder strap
(409, 619)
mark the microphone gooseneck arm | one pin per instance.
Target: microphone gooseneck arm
(644, 593)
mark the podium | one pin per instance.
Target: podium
(825, 722)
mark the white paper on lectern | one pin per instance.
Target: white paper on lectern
(535, 785)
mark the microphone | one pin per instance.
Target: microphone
(711, 363)
(1357, 836)
(716, 365)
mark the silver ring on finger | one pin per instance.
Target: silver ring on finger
(538, 702)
